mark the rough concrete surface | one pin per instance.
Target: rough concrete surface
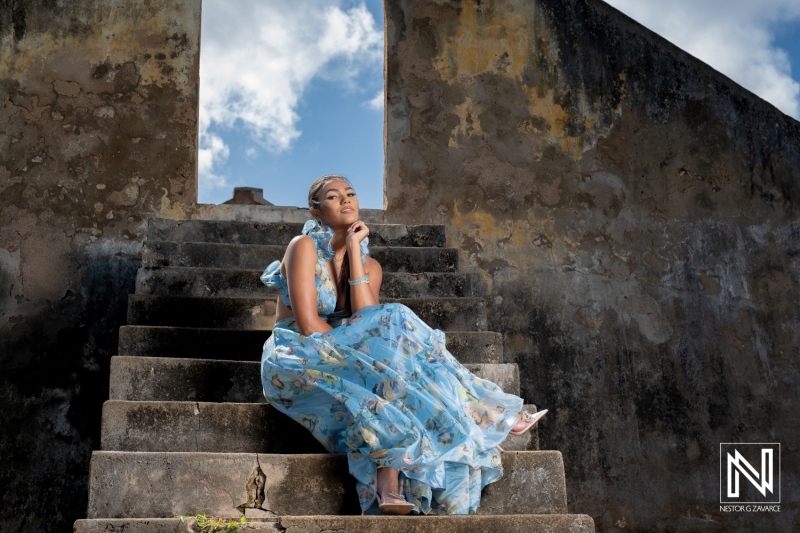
(98, 133)
(247, 256)
(226, 282)
(154, 426)
(249, 313)
(281, 233)
(270, 214)
(175, 379)
(163, 485)
(633, 216)
(246, 345)
(136, 525)
(553, 523)
(187, 426)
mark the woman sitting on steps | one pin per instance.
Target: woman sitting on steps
(372, 380)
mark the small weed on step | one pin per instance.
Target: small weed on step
(214, 524)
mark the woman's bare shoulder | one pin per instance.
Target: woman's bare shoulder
(301, 247)
(301, 239)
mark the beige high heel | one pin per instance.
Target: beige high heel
(530, 421)
(396, 506)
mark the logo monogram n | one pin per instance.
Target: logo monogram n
(739, 468)
(741, 465)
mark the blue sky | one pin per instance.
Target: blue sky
(292, 89)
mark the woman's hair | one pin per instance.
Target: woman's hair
(343, 287)
(319, 183)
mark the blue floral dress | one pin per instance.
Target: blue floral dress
(382, 388)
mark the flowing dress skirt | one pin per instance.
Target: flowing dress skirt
(382, 388)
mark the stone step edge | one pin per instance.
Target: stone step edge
(196, 426)
(168, 222)
(555, 523)
(156, 226)
(270, 213)
(139, 340)
(172, 253)
(258, 299)
(258, 312)
(188, 328)
(163, 484)
(212, 282)
(475, 368)
(257, 271)
(152, 244)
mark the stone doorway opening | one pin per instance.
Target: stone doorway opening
(290, 90)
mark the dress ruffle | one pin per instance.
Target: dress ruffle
(382, 387)
(321, 234)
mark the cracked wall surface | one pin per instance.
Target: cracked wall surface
(98, 133)
(633, 216)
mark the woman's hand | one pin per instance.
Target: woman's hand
(357, 232)
(362, 294)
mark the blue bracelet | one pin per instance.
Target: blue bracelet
(359, 281)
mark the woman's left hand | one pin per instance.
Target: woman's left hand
(356, 233)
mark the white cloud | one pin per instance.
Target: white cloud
(258, 57)
(733, 36)
(212, 150)
(377, 102)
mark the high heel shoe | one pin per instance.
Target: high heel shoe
(396, 504)
(530, 421)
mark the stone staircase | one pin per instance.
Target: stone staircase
(186, 429)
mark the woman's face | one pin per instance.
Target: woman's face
(338, 204)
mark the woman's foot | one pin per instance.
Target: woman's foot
(393, 503)
(526, 422)
(390, 501)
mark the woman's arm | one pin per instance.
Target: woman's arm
(362, 294)
(300, 261)
(365, 294)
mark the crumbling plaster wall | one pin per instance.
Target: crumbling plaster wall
(633, 216)
(98, 133)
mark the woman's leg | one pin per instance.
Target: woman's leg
(388, 481)
(390, 501)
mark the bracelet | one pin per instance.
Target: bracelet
(359, 281)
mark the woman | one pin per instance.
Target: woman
(374, 381)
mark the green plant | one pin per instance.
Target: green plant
(215, 524)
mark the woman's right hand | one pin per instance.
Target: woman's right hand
(357, 232)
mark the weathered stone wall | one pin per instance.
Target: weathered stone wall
(97, 134)
(633, 216)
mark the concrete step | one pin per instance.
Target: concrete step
(253, 256)
(229, 313)
(164, 485)
(462, 314)
(272, 213)
(225, 282)
(204, 380)
(236, 232)
(202, 427)
(218, 427)
(246, 345)
(543, 523)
